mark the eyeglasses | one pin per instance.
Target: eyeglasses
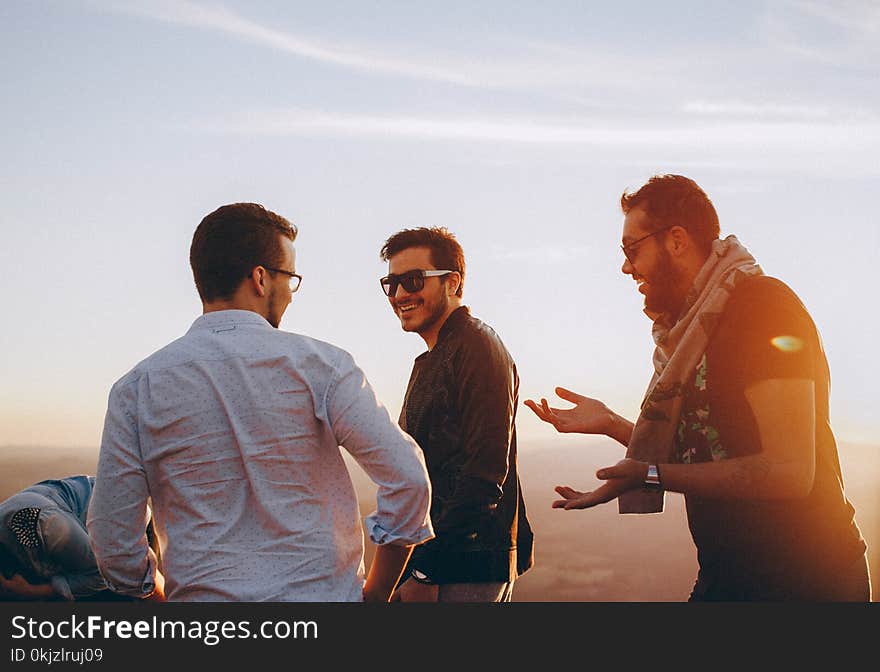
(411, 281)
(628, 249)
(295, 278)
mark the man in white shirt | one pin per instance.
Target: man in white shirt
(233, 432)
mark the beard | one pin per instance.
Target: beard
(276, 310)
(434, 311)
(663, 295)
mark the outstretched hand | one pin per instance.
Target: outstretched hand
(589, 416)
(626, 475)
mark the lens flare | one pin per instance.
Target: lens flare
(787, 343)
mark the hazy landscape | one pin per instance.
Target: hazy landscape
(594, 555)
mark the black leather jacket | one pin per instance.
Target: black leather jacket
(460, 407)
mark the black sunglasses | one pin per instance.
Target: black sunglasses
(628, 248)
(411, 281)
(295, 278)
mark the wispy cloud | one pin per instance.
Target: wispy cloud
(775, 111)
(837, 33)
(735, 108)
(599, 132)
(582, 74)
(601, 79)
(220, 19)
(857, 16)
(808, 147)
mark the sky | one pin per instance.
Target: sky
(515, 125)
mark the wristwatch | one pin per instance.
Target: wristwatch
(652, 478)
(420, 577)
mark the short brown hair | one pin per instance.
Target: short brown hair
(446, 252)
(230, 242)
(674, 199)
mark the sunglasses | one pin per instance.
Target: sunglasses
(411, 281)
(629, 249)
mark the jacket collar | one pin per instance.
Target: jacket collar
(456, 318)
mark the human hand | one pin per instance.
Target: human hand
(413, 591)
(589, 416)
(17, 587)
(626, 475)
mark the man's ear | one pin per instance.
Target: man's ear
(679, 240)
(452, 288)
(258, 280)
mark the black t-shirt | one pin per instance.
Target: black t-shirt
(770, 549)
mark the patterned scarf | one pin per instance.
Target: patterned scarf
(680, 347)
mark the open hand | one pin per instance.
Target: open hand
(589, 416)
(628, 474)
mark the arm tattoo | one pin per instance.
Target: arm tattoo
(750, 474)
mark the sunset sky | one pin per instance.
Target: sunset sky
(516, 125)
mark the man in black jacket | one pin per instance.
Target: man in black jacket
(460, 406)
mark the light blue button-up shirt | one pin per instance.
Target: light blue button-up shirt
(233, 431)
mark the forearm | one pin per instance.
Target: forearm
(118, 514)
(385, 572)
(119, 542)
(751, 477)
(785, 467)
(619, 428)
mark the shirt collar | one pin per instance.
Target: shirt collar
(228, 318)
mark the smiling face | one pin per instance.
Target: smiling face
(424, 311)
(651, 265)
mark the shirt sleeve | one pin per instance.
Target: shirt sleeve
(66, 546)
(118, 513)
(389, 456)
(768, 334)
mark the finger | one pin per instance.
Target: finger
(546, 417)
(567, 492)
(537, 410)
(604, 493)
(545, 406)
(549, 413)
(585, 502)
(607, 473)
(568, 395)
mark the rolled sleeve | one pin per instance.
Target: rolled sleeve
(389, 456)
(118, 513)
